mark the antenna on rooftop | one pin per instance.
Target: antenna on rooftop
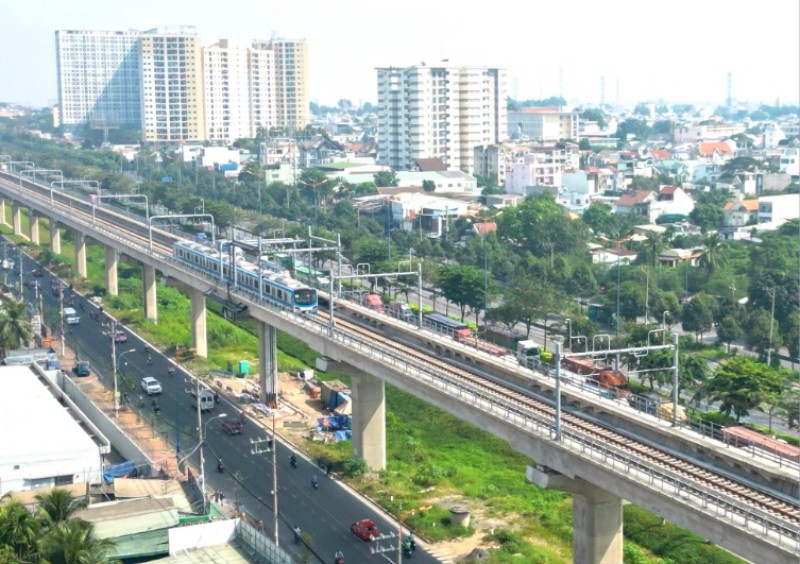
(729, 100)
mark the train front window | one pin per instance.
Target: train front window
(305, 297)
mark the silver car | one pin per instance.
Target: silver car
(150, 386)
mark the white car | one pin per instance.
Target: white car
(151, 386)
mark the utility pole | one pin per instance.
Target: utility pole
(270, 442)
(771, 294)
(61, 309)
(21, 276)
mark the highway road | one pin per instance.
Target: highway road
(325, 513)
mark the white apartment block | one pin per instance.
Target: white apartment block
(226, 87)
(98, 78)
(291, 76)
(778, 209)
(439, 112)
(535, 170)
(544, 124)
(790, 161)
(263, 87)
(172, 85)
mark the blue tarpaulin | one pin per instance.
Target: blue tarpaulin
(334, 422)
(118, 471)
(345, 435)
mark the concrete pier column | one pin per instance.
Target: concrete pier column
(597, 525)
(112, 258)
(16, 218)
(267, 362)
(199, 341)
(55, 237)
(34, 225)
(596, 516)
(80, 254)
(149, 283)
(369, 419)
(3, 219)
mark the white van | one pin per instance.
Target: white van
(206, 399)
(71, 316)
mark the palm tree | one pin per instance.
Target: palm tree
(57, 506)
(653, 246)
(15, 325)
(715, 254)
(72, 542)
(19, 530)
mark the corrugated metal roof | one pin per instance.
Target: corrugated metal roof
(234, 552)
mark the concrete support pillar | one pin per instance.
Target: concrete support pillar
(267, 362)
(55, 237)
(369, 419)
(112, 258)
(3, 219)
(596, 516)
(34, 225)
(80, 254)
(149, 282)
(199, 341)
(16, 218)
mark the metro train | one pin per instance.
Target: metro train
(277, 287)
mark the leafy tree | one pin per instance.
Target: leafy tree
(740, 164)
(741, 383)
(15, 325)
(601, 219)
(462, 285)
(707, 216)
(642, 110)
(758, 331)
(635, 127)
(790, 331)
(429, 185)
(522, 296)
(19, 530)
(714, 253)
(594, 114)
(386, 178)
(652, 247)
(73, 542)
(57, 506)
(663, 127)
(728, 331)
(505, 314)
(698, 315)
(644, 183)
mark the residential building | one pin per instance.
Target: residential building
(582, 186)
(651, 205)
(790, 161)
(695, 132)
(226, 83)
(292, 102)
(98, 78)
(445, 181)
(439, 112)
(536, 169)
(263, 87)
(740, 213)
(172, 85)
(544, 124)
(777, 209)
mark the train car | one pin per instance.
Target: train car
(741, 436)
(277, 287)
(443, 324)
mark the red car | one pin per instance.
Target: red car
(366, 530)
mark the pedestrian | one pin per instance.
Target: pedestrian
(329, 469)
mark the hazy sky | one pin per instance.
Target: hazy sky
(678, 51)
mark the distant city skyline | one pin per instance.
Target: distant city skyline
(677, 52)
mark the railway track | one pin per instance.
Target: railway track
(744, 498)
(684, 467)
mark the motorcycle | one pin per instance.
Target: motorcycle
(293, 461)
(171, 371)
(156, 407)
(314, 482)
(220, 467)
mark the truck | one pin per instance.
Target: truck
(71, 316)
(442, 324)
(401, 311)
(485, 346)
(657, 405)
(373, 302)
(529, 353)
(613, 383)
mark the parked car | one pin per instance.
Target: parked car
(150, 386)
(232, 426)
(82, 368)
(366, 530)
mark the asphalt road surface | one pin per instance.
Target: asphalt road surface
(326, 513)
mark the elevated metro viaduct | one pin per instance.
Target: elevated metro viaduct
(597, 490)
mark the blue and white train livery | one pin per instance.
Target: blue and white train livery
(277, 287)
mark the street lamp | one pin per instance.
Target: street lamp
(202, 458)
(664, 320)
(116, 361)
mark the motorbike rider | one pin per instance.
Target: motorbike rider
(314, 481)
(298, 535)
(293, 460)
(220, 466)
(339, 557)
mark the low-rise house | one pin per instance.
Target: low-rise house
(320, 150)
(674, 257)
(778, 209)
(602, 255)
(652, 205)
(740, 213)
(447, 181)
